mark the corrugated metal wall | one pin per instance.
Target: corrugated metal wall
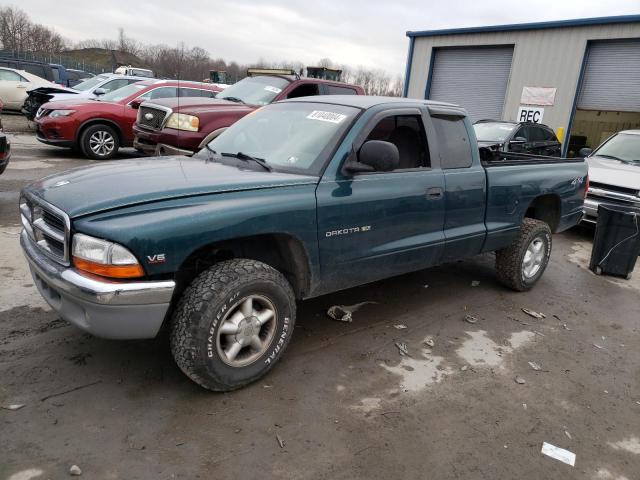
(542, 58)
(481, 93)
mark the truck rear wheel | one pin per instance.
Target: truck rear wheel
(232, 324)
(520, 265)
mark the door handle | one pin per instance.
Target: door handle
(434, 193)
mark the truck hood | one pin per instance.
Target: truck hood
(203, 105)
(613, 172)
(111, 185)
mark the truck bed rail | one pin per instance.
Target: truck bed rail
(491, 158)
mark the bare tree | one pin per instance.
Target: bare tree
(19, 34)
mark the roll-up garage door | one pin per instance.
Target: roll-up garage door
(612, 77)
(473, 77)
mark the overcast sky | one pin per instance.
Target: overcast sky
(369, 33)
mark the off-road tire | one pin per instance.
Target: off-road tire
(200, 313)
(89, 132)
(509, 261)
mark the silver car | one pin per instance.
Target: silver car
(614, 174)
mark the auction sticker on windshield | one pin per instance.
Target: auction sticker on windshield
(269, 88)
(326, 116)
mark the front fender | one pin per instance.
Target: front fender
(176, 228)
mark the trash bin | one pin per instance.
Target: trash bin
(616, 244)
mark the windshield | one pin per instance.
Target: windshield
(623, 146)
(293, 137)
(122, 93)
(90, 83)
(493, 132)
(255, 90)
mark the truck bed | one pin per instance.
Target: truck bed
(512, 158)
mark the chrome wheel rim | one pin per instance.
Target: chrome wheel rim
(102, 143)
(533, 258)
(246, 331)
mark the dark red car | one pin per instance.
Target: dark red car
(174, 126)
(100, 127)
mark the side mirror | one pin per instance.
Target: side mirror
(585, 152)
(135, 103)
(380, 156)
(99, 91)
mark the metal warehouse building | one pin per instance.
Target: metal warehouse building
(580, 77)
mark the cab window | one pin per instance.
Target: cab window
(304, 90)
(407, 133)
(453, 142)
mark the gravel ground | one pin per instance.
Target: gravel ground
(343, 402)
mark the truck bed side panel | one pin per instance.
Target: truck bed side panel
(511, 190)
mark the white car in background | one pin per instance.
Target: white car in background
(91, 88)
(14, 85)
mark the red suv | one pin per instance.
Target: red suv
(100, 127)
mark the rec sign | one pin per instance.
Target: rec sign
(530, 114)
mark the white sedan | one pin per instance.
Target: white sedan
(14, 85)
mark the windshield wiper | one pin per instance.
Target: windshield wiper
(609, 156)
(233, 99)
(212, 155)
(245, 157)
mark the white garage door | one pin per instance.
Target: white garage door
(474, 77)
(612, 77)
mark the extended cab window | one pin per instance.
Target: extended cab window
(335, 90)
(453, 142)
(37, 70)
(407, 133)
(195, 92)
(304, 90)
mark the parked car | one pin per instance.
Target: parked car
(99, 127)
(90, 88)
(301, 198)
(534, 138)
(135, 71)
(614, 173)
(39, 69)
(174, 127)
(77, 76)
(14, 85)
(5, 151)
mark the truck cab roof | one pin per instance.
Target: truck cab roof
(367, 101)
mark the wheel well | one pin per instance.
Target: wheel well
(545, 208)
(99, 121)
(283, 252)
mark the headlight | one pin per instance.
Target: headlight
(61, 113)
(107, 259)
(181, 121)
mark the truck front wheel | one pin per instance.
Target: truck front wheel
(232, 324)
(520, 265)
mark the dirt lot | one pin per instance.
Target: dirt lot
(343, 401)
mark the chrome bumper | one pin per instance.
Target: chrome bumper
(591, 208)
(105, 309)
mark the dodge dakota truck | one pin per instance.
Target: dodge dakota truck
(299, 199)
(180, 127)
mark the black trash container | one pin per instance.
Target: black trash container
(616, 244)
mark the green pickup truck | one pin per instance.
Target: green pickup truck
(299, 199)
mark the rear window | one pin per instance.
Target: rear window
(56, 74)
(453, 142)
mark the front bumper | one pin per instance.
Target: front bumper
(105, 309)
(591, 205)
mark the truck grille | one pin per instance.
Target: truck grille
(47, 226)
(152, 118)
(613, 194)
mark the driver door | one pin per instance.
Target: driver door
(375, 225)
